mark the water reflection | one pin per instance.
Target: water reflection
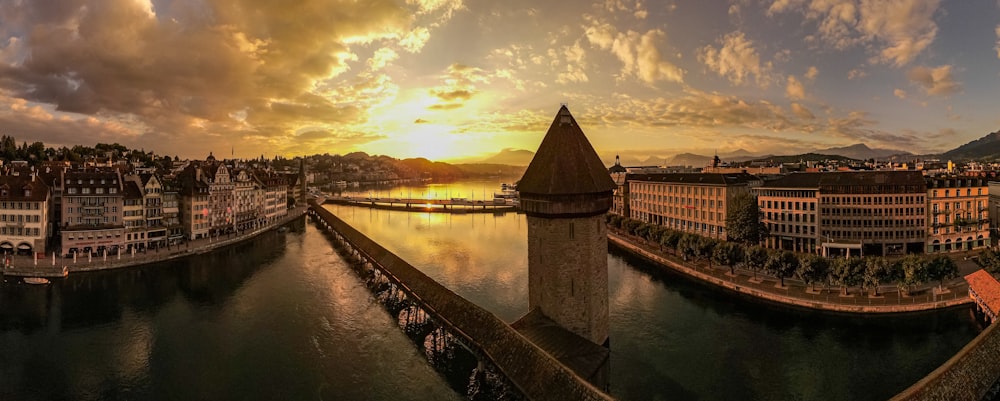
(674, 339)
(279, 317)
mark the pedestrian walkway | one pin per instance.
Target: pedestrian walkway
(795, 292)
(27, 266)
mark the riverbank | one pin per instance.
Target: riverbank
(795, 293)
(26, 266)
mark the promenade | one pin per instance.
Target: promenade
(795, 292)
(27, 266)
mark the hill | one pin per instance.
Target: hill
(985, 148)
(805, 157)
(510, 157)
(861, 151)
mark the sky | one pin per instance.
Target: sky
(464, 79)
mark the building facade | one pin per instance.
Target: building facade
(958, 215)
(24, 214)
(690, 202)
(92, 212)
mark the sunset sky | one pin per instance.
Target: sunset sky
(454, 79)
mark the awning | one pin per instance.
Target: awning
(7, 245)
(24, 247)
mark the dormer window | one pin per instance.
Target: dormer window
(27, 193)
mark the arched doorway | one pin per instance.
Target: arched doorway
(24, 248)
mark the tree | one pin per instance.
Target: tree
(914, 272)
(848, 272)
(705, 247)
(813, 269)
(743, 223)
(877, 270)
(989, 260)
(941, 268)
(670, 240)
(688, 246)
(787, 262)
(728, 254)
(755, 258)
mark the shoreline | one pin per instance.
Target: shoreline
(766, 289)
(24, 266)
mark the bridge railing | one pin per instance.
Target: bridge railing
(534, 372)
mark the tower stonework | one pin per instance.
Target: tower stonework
(565, 192)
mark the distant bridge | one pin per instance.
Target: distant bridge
(407, 291)
(456, 205)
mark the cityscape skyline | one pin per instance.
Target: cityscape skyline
(453, 79)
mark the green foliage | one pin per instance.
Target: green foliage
(877, 271)
(941, 268)
(848, 272)
(755, 258)
(813, 269)
(989, 260)
(724, 254)
(670, 239)
(743, 223)
(785, 265)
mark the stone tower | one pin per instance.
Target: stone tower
(565, 193)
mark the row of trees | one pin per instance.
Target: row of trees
(814, 270)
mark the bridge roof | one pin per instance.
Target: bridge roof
(565, 162)
(983, 284)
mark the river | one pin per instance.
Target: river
(282, 317)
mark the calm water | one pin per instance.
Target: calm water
(282, 318)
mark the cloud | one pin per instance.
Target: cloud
(899, 93)
(802, 112)
(638, 53)
(935, 81)
(794, 89)
(997, 47)
(183, 68)
(812, 73)
(735, 59)
(421, 121)
(856, 73)
(460, 86)
(902, 29)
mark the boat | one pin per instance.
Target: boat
(36, 280)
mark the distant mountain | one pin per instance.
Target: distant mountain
(985, 148)
(690, 159)
(861, 151)
(805, 157)
(510, 157)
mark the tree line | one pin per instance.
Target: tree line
(867, 273)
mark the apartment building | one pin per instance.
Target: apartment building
(92, 212)
(24, 214)
(689, 202)
(959, 214)
(846, 212)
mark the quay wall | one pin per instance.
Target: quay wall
(24, 266)
(968, 375)
(535, 373)
(634, 249)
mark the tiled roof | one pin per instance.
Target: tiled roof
(565, 162)
(16, 185)
(987, 287)
(695, 178)
(132, 190)
(849, 178)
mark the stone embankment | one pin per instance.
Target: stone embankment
(26, 266)
(968, 375)
(796, 294)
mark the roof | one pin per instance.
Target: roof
(983, 284)
(565, 162)
(132, 190)
(17, 185)
(814, 180)
(695, 178)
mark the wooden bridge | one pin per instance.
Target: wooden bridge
(499, 348)
(456, 205)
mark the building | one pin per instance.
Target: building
(859, 212)
(691, 202)
(220, 198)
(565, 191)
(134, 217)
(194, 202)
(619, 204)
(24, 214)
(152, 200)
(92, 212)
(958, 215)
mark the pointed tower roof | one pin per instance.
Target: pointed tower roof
(565, 162)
